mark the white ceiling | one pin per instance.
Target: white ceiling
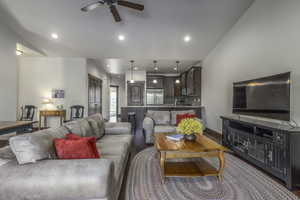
(156, 33)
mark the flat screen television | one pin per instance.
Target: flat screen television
(267, 97)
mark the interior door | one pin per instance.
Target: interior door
(95, 95)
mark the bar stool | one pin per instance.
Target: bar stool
(132, 120)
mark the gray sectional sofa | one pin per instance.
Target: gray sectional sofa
(53, 179)
(161, 122)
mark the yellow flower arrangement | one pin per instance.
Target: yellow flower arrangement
(190, 126)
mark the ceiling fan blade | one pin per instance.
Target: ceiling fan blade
(92, 6)
(128, 4)
(115, 13)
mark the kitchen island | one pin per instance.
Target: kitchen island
(140, 111)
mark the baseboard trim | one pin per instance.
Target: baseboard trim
(214, 133)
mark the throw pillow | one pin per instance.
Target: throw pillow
(92, 141)
(180, 117)
(80, 148)
(30, 148)
(98, 127)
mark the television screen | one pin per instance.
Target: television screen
(264, 97)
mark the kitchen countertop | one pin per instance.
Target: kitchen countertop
(163, 106)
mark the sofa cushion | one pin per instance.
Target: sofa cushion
(175, 113)
(159, 117)
(97, 126)
(32, 147)
(80, 127)
(114, 148)
(118, 128)
(164, 129)
(111, 139)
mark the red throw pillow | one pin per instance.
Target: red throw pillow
(92, 141)
(180, 117)
(76, 147)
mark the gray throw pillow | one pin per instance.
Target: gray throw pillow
(80, 127)
(32, 147)
(98, 127)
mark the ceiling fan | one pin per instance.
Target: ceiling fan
(112, 6)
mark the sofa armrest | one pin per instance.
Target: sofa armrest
(148, 126)
(118, 128)
(57, 179)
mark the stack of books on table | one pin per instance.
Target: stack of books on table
(175, 137)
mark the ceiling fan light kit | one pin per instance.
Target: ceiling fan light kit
(112, 6)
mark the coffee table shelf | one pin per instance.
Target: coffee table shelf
(190, 169)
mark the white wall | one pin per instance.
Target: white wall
(38, 76)
(8, 74)
(96, 70)
(265, 41)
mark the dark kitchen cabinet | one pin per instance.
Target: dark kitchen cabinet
(183, 84)
(159, 84)
(193, 82)
(135, 93)
(169, 90)
(177, 88)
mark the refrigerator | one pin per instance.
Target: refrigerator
(155, 96)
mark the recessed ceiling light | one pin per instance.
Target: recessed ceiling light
(187, 38)
(54, 35)
(121, 37)
(154, 81)
(19, 52)
(177, 81)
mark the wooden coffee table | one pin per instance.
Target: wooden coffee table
(202, 147)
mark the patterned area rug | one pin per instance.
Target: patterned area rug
(241, 182)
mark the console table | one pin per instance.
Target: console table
(51, 113)
(275, 148)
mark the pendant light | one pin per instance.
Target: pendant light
(155, 65)
(131, 71)
(155, 68)
(177, 67)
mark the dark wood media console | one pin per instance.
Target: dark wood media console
(272, 147)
